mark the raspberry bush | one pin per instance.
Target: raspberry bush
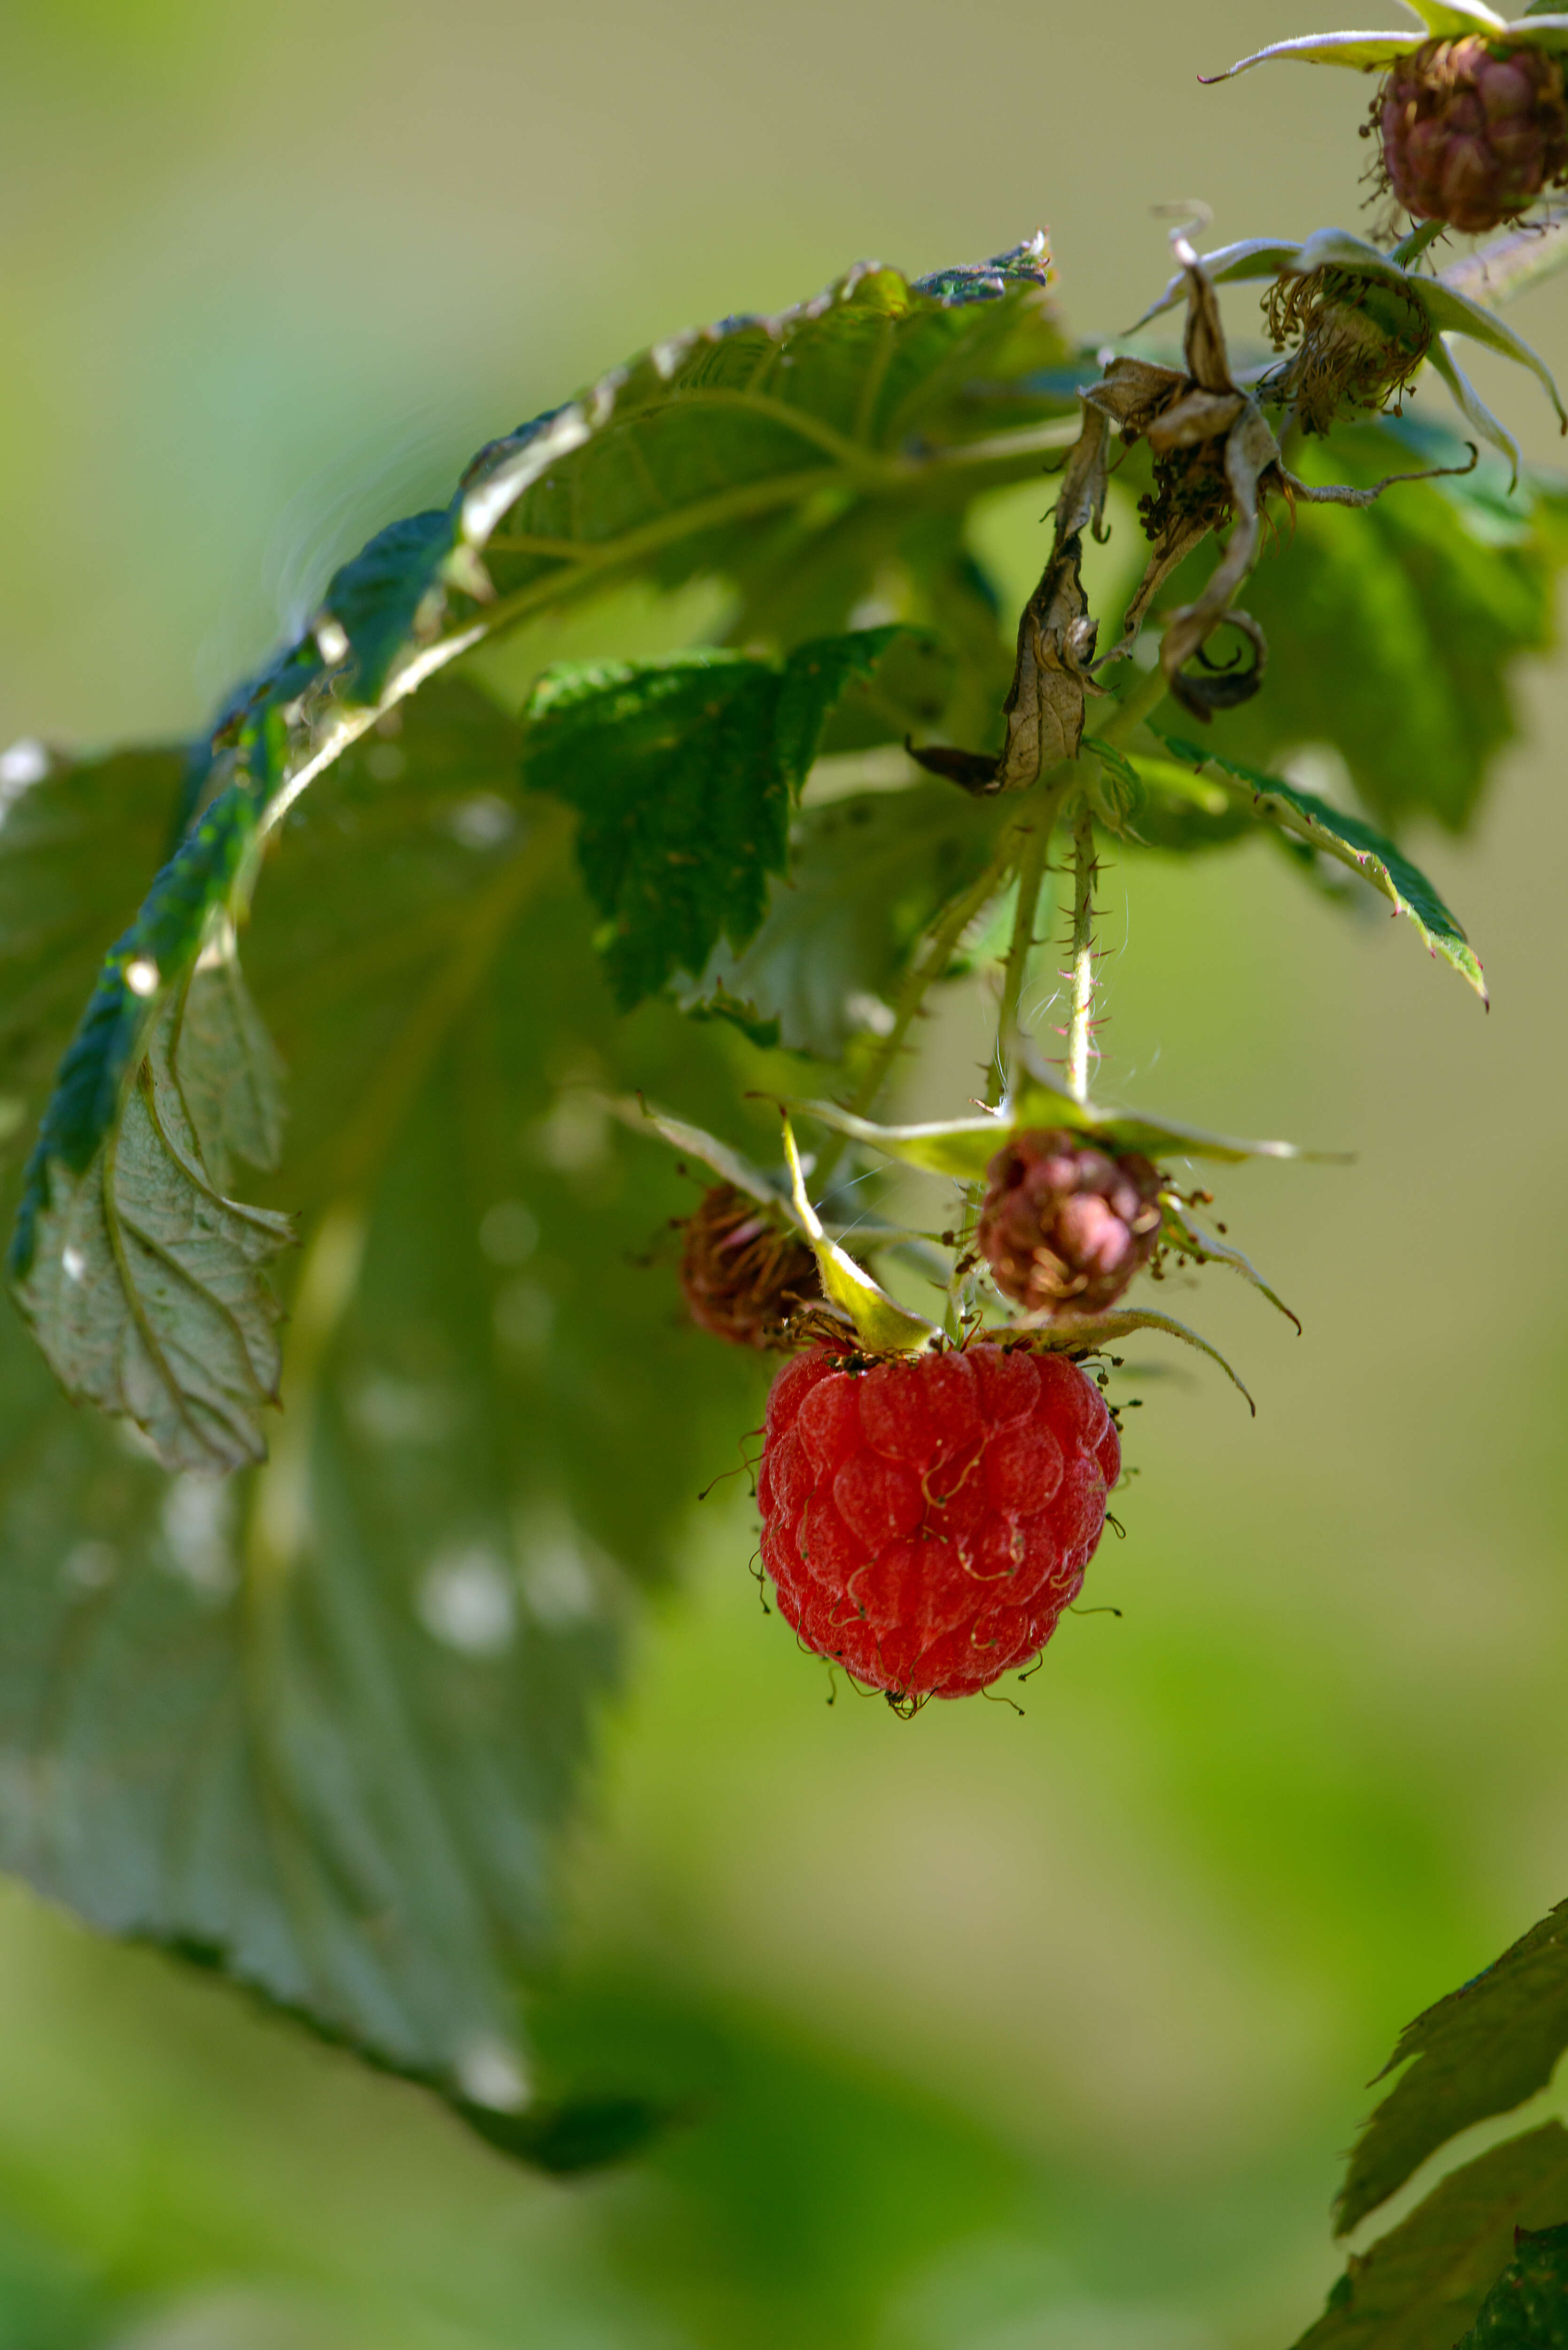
(338, 1445)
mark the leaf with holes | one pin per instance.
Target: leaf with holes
(319, 1725)
(143, 1283)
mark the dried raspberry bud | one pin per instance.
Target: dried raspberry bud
(1472, 132)
(743, 1273)
(926, 1521)
(1066, 1226)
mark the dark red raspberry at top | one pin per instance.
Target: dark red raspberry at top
(1065, 1226)
(1472, 135)
(925, 1521)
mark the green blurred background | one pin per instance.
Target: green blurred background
(1024, 2034)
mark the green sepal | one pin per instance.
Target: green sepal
(964, 1148)
(1179, 1231)
(694, 1142)
(1067, 1332)
(882, 1327)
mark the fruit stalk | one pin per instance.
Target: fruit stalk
(922, 975)
(1033, 863)
(1081, 1022)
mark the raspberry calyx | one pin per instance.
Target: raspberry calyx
(1064, 1225)
(926, 1518)
(743, 1275)
(1471, 132)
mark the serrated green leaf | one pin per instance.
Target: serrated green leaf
(1352, 843)
(147, 1287)
(392, 596)
(684, 774)
(1527, 2308)
(318, 1725)
(867, 876)
(143, 1283)
(75, 848)
(878, 393)
(1411, 606)
(1482, 2050)
(1423, 2283)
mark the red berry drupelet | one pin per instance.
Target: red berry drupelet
(927, 1518)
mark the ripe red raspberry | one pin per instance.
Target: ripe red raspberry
(1472, 135)
(926, 1519)
(1065, 1225)
(743, 1273)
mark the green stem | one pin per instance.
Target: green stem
(919, 977)
(1124, 722)
(1081, 1023)
(1026, 849)
(1032, 866)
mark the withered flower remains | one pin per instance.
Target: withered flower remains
(1215, 460)
(744, 1273)
(1356, 342)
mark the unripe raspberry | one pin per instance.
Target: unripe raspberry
(926, 1519)
(1472, 135)
(1065, 1226)
(743, 1273)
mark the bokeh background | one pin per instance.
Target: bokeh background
(1034, 2033)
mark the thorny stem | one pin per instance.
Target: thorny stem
(1024, 846)
(1032, 866)
(1085, 869)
